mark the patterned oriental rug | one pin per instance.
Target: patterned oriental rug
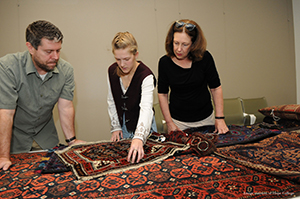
(91, 160)
(237, 134)
(278, 155)
(180, 176)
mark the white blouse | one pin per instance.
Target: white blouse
(146, 112)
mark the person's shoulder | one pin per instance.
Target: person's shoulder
(144, 66)
(17, 54)
(64, 63)
(13, 60)
(207, 54)
(206, 58)
(64, 67)
(165, 58)
(14, 56)
(113, 66)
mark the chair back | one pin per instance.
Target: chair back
(252, 105)
(159, 119)
(233, 111)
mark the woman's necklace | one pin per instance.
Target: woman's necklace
(126, 79)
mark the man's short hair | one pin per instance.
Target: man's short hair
(38, 30)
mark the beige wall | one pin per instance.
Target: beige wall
(296, 18)
(252, 42)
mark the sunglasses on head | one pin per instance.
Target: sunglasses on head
(188, 26)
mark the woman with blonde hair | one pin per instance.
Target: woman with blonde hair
(130, 96)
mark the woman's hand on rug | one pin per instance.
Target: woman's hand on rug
(172, 127)
(136, 151)
(4, 163)
(221, 127)
(116, 136)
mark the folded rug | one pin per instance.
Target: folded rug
(202, 144)
(281, 124)
(55, 165)
(51, 163)
(236, 134)
(278, 155)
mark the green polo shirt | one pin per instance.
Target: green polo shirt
(22, 89)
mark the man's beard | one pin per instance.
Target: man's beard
(44, 67)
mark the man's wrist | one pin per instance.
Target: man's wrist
(71, 139)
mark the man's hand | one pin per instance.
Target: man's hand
(76, 141)
(4, 163)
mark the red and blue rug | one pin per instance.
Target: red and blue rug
(278, 155)
(180, 176)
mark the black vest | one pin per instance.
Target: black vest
(128, 103)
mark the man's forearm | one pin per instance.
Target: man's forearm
(6, 122)
(67, 115)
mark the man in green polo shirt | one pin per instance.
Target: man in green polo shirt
(31, 83)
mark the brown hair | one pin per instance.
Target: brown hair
(38, 30)
(198, 47)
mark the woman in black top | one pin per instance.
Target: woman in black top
(189, 71)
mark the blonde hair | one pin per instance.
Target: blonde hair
(123, 40)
